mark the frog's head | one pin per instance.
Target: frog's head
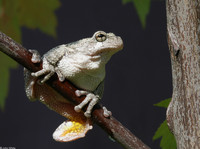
(104, 45)
(97, 50)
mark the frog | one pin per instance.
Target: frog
(83, 63)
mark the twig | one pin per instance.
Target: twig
(113, 127)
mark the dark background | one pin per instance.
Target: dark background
(137, 77)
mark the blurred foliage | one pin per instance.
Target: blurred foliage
(5, 64)
(15, 14)
(142, 7)
(167, 138)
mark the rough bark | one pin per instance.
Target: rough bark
(113, 127)
(183, 114)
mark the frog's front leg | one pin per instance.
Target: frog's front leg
(47, 67)
(47, 70)
(90, 98)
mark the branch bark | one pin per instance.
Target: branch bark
(113, 127)
(183, 114)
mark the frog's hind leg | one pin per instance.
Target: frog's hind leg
(77, 124)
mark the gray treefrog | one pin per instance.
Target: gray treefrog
(83, 63)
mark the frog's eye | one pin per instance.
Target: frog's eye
(100, 37)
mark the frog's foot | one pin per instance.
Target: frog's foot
(48, 70)
(106, 113)
(36, 58)
(90, 98)
(42, 72)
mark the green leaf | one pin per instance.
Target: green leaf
(9, 24)
(39, 14)
(1, 7)
(28, 13)
(163, 103)
(9, 19)
(5, 64)
(142, 7)
(167, 138)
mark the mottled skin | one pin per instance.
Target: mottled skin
(83, 63)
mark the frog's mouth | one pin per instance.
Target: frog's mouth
(97, 56)
(107, 51)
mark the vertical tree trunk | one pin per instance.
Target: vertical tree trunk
(183, 114)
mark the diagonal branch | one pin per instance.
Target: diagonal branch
(113, 127)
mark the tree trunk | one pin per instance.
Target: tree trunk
(183, 114)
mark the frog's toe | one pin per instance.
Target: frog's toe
(106, 113)
(81, 92)
(36, 58)
(39, 73)
(61, 77)
(94, 100)
(77, 108)
(47, 77)
(87, 114)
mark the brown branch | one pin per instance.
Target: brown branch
(113, 127)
